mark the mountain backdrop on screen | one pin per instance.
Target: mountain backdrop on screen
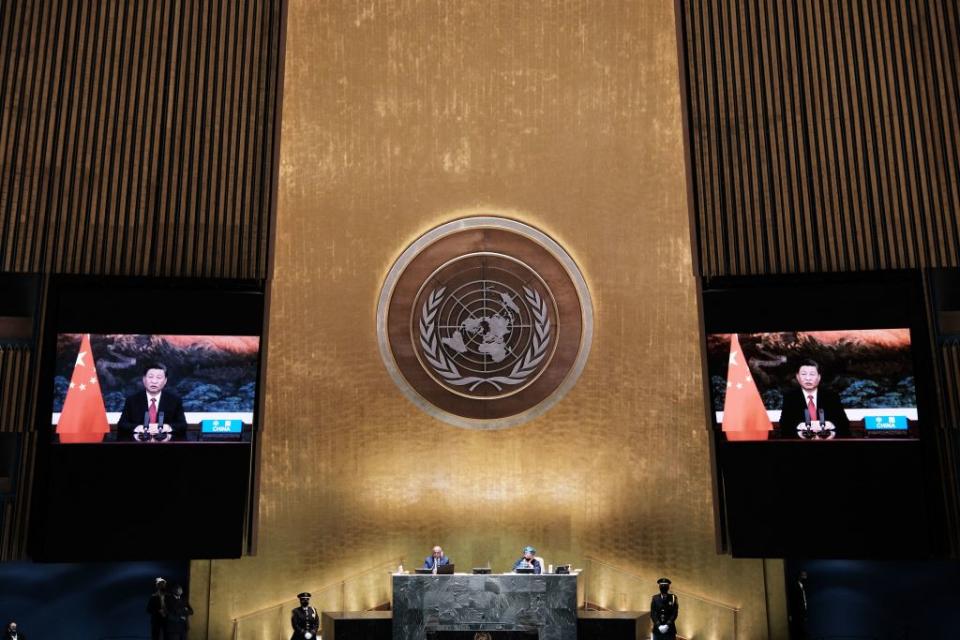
(868, 369)
(213, 375)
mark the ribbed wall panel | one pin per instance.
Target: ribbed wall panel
(950, 437)
(951, 377)
(138, 138)
(16, 389)
(824, 136)
(16, 509)
(17, 399)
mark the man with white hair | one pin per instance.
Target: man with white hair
(436, 559)
(156, 607)
(12, 633)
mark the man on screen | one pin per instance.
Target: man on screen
(155, 401)
(802, 407)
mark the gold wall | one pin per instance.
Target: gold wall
(398, 116)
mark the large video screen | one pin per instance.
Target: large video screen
(154, 389)
(813, 385)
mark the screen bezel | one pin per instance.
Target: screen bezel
(850, 301)
(195, 473)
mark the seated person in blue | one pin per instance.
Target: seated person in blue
(528, 561)
(436, 559)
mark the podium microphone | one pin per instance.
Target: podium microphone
(146, 424)
(823, 422)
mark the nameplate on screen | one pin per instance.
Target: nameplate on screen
(221, 426)
(885, 423)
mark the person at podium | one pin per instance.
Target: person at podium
(528, 560)
(156, 402)
(436, 559)
(803, 406)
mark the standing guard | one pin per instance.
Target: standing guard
(663, 611)
(157, 608)
(305, 620)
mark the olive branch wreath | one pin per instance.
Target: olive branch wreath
(447, 369)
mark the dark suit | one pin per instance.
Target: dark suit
(304, 620)
(178, 614)
(795, 401)
(663, 610)
(428, 562)
(136, 406)
(156, 609)
(19, 636)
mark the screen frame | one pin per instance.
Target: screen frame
(111, 304)
(847, 301)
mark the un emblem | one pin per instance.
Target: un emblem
(484, 322)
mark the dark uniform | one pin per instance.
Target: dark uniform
(178, 614)
(305, 620)
(13, 635)
(156, 607)
(664, 608)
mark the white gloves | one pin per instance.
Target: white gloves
(664, 628)
(307, 635)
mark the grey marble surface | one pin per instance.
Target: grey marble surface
(424, 605)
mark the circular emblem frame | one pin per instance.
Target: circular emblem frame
(484, 322)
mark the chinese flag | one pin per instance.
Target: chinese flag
(744, 416)
(84, 419)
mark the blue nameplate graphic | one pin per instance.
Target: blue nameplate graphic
(221, 426)
(885, 423)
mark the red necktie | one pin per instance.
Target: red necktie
(153, 410)
(812, 408)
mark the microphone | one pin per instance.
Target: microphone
(823, 422)
(146, 425)
(805, 430)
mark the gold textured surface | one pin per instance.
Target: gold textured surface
(401, 115)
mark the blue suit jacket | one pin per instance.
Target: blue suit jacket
(428, 563)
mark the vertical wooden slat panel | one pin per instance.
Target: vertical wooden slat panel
(845, 138)
(15, 388)
(137, 138)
